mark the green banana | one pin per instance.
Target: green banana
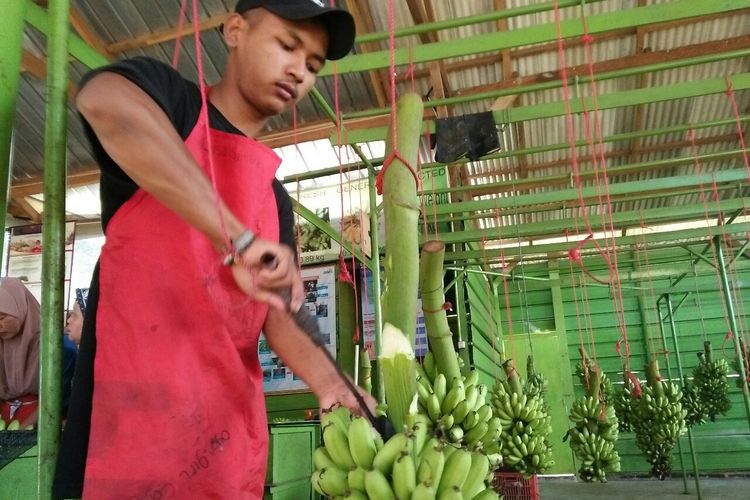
(440, 387)
(460, 411)
(452, 493)
(486, 495)
(456, 468)
(361, 442)
(471, 378)
(387, 455)
(377, 486)
(423, 491)
(433, 407)
(321, 458)
(404, 477)
(336, 443)
(333, 481)
(356, 479)
(431, 463)
(480, 467)
(340, 416)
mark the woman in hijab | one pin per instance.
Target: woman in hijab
(19, 352)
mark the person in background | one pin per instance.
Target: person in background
(19, 352)
(74, 323)
(168, 396)
(71, 340)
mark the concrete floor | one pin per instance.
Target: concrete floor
(644, 489)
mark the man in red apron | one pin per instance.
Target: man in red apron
(178, 407)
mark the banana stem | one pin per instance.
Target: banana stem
(401, 213)
(436, 319)
(654, 377)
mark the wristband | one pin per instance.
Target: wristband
(239, 245)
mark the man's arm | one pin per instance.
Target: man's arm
(308, 362)
(141, 139)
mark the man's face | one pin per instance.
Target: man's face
(9, 326)
(275, 60)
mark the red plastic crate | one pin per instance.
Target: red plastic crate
(513, 486)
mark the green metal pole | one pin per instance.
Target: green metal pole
(732, 319)
(11, 46)
(669, 374)
(693, 457)
(53, 235)
(376, 291)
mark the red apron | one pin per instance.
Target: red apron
(178, 406)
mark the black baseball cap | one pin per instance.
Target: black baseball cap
(338, 22)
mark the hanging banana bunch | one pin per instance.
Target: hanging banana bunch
(710, 379)
(587, 366)
(536, 383)
(525, 425)
(658, 421)
(695, 412)
(623, 401)
(595, 430)
(458, 409)
(355, 463)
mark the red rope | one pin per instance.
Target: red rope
(578, 314)
(503, 263)
(485, 282)
(614, 267)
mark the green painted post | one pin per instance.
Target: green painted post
(462, 320)
(693, 457)
(11, 47)
(732, 319)
(376, 291)
(53, 235)
(669, 374)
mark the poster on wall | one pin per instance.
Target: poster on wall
(368, 319)
(325, 202)
(320, 299)
(25, 249)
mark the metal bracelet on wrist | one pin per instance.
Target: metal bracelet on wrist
(239, 245)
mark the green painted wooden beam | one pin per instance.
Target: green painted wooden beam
(486, 17)
(540, 33)
(568, 195)
(620, 220)
(39, 18)
(633, 97)
(475, 256)
(633, 168)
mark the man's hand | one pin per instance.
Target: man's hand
(339, 393)
(264, 269)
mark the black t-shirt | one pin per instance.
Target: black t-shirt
(180, 99)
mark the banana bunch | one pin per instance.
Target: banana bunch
(525, 426)
(458, 409)
(710, 379)
(593, 438)
(623, 402)
(695, 413)
(585, 368)
(355, 463)
(536, 384)
(595, 424)
(658, 421)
